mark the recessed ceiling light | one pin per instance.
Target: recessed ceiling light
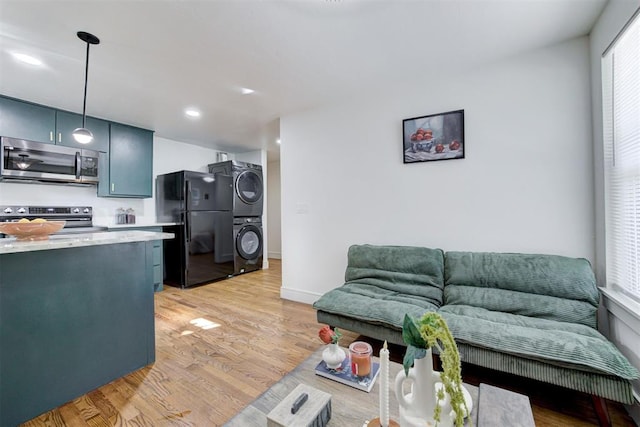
(192, 112)
(246, 91)
(278, 141)
(27, 59)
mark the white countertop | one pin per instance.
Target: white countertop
(112, 226)
(62, 241)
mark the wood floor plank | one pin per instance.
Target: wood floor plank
(204, 375)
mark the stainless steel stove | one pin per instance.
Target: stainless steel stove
(79, 219)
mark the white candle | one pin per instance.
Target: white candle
(384, 386)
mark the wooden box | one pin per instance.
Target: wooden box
(315, 412)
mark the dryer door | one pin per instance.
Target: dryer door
(249, 186)
(249, 242)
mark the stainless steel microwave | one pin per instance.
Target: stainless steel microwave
(31, 160)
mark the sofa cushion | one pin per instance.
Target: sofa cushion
(373, 304)
(402, 269)
(546, 286)
(385, 282)
(564, 344)
(532, 305)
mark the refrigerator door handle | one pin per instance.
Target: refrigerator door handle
(187, 201)
(185, 271)
(187, 195)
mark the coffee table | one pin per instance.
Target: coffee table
(353, 407)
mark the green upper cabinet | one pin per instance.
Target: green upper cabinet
(28, 121)
(67, 122)
(126, 159)
(128, 168)
(24, 120)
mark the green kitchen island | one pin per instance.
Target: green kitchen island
(76, 312)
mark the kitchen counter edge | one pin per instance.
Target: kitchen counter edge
(140, 225)
(11, 245)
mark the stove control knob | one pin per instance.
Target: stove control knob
(76, 210)
(86, 210)
(8, 210)
(22, 210)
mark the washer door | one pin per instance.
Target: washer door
(249, 242)
(249, 187)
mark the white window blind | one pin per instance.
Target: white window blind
(621, 131)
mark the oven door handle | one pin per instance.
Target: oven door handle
(78, 165)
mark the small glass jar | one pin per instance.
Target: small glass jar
(121, 216)
(360, 354)
(130, 216)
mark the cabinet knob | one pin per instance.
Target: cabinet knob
(113, 187)
(51, 136)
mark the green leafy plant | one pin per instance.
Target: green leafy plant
(429, 331)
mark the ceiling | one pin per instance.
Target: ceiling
(157, 58)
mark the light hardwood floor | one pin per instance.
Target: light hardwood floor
(219, 346)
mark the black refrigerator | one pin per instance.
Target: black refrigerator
(201, 206)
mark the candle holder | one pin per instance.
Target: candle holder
(376, 423)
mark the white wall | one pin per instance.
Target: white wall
(273, 210)
(104, 209)
(621, 319)
(255, 157)
(526, 183)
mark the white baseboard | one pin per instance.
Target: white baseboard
(276, 255)
(299, 296)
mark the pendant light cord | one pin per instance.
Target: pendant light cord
(86, 77)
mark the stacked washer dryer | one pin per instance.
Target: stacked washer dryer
(248, 190)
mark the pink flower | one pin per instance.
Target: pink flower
(329, 336)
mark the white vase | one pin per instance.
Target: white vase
(333, 355)
(417, 406)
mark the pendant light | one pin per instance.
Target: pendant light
(84, 135)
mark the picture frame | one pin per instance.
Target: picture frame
(433, 137)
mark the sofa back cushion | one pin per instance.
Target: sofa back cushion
(404, 269)
(546, 286)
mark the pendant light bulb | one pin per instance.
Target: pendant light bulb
(83, 135)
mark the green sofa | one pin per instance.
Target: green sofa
(529, 315)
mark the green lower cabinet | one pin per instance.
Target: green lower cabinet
(128, 171)
(24, 120)
(158, 255)
(83, 318)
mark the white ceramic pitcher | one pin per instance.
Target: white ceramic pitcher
(420, 402)
(417, 406)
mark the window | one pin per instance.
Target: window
(621, 126)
